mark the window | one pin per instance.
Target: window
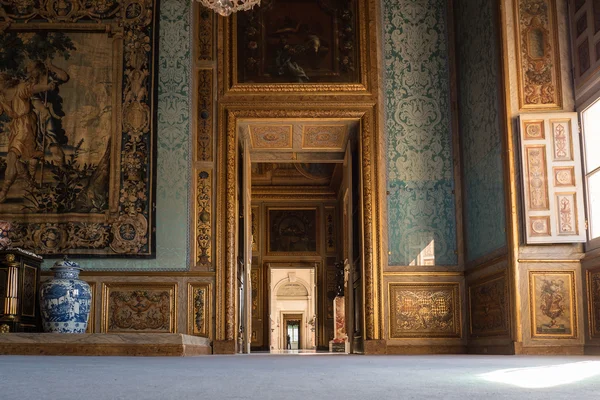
(590, 124)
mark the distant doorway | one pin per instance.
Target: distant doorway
(291, 324)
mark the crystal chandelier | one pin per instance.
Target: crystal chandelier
(226, 7)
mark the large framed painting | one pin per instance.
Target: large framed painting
(284, 43)
(292, 231)
(77, 103)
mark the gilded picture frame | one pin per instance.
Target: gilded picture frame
(356, 38)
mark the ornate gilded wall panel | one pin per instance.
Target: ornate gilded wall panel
(139, 307)
(255, 229)
(91, 327)
(593, 281)
(552, 178)
(199, 313)
(204, 219)
(257, 294)
(489, 306)
(87, 188)
(205, 34)
(538, 63)
(424, 310)
(330, 230)
(553, 308)
(205, 118)
(271, 137)
(320, 137)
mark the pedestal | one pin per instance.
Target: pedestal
(340, 343)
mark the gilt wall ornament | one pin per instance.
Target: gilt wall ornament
(147, 308)
(424, 310)
(538, 64)
(552, 304)
(77, 110)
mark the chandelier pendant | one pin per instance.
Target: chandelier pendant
(226, 7)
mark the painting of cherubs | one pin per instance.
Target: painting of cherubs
(55, 122)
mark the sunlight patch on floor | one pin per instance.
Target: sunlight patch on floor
(546, 376)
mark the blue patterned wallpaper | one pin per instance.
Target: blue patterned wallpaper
(421, 205)
(480, 129)
(173, 137)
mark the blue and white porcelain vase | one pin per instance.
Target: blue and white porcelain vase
(65, 300)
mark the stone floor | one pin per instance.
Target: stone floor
(303, 376)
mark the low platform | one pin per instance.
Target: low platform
(102, 344)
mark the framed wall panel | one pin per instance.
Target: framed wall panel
(551, 178)
(552, 304)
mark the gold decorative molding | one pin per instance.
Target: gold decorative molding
(423, 273)
(205, 114)
(593, 288)
(489, 306)
(204, 221)
(291, 193)
(255, 227)
(139, 307)
(91, 327)
(199, 310)
(257, 294)
(553, 304)
(424, 310)
(538, 62)
(330, 230)
(205, 37)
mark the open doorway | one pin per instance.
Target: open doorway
(292, 334)
(299, 202)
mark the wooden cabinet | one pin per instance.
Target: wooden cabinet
(19, 283)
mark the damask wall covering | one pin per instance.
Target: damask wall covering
(421, 207)
(480, 128)
(173, 147)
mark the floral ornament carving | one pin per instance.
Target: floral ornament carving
(199, 310)
(424, 310)
(204, 219)
(594, 282)
(140, 311)
(128, 230)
